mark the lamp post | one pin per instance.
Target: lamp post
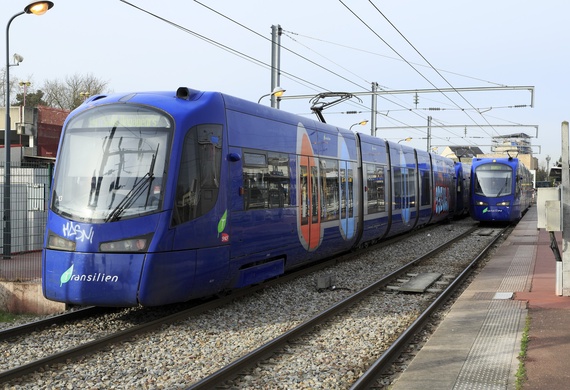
(25, 84)
(277, 92)
(361, 123)
(36, 8)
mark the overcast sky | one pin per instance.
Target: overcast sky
(328, 45)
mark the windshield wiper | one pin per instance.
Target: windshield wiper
(503, 187)
(134, 193)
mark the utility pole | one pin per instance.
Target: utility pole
(429, 134)
(276, 32)
(565, 212)
(373, 109)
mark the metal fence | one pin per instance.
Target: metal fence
(29, 194)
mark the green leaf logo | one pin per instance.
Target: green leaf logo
(66, 276)
(222, 223)
(485, 210)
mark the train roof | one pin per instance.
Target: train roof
(164, 100)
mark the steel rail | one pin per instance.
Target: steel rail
(54, 320)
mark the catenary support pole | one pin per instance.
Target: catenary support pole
(373, 109)
(565, 212)
(276, 32)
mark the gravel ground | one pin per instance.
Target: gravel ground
(184, 352)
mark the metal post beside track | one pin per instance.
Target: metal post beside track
(565, 212)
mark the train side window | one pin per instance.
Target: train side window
(376, 187)
(266, 180)
(303, 185)
(425, 187)
(199, 175)
(330, 187)
(344, 201)
(278, 180)
(397, 187)
(346, 190)
(314, 194)
(411, 186)
(350, 189)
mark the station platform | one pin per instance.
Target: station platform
(478, 344)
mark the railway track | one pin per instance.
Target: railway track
(238, 367)
(100, 342)
(383, 364)
(278, 346)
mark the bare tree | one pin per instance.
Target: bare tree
(16, 90)
(3, 87)
(71, 92)
(13, 85)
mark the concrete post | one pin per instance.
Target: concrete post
(565, 212)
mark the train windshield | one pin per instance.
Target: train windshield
(493, 180)
(112, 164)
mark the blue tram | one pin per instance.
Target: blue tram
(164, 197)
(501, 189)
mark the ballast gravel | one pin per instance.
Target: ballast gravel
(333, 356)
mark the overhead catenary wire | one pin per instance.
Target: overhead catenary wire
(340, 66)
(404, 59)
(391, 58)
(290, 51)
(283, 47)
(218, 44)
(258, 62)
(432, 67)
(238, 53)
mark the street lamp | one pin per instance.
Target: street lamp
(408, 139)
(24, 84)
(277, 92)
(361, 123)
(36, 8)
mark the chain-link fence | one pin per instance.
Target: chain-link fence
(22, 229)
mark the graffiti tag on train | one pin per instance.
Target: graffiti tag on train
(441, 196)
(75, 230)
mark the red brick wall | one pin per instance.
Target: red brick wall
(50, 123)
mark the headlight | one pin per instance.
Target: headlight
(505, 203)
(481, 203)
(60, 243)
(135, 244)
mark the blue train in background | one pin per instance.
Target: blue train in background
(501, 189)
(164, 197)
